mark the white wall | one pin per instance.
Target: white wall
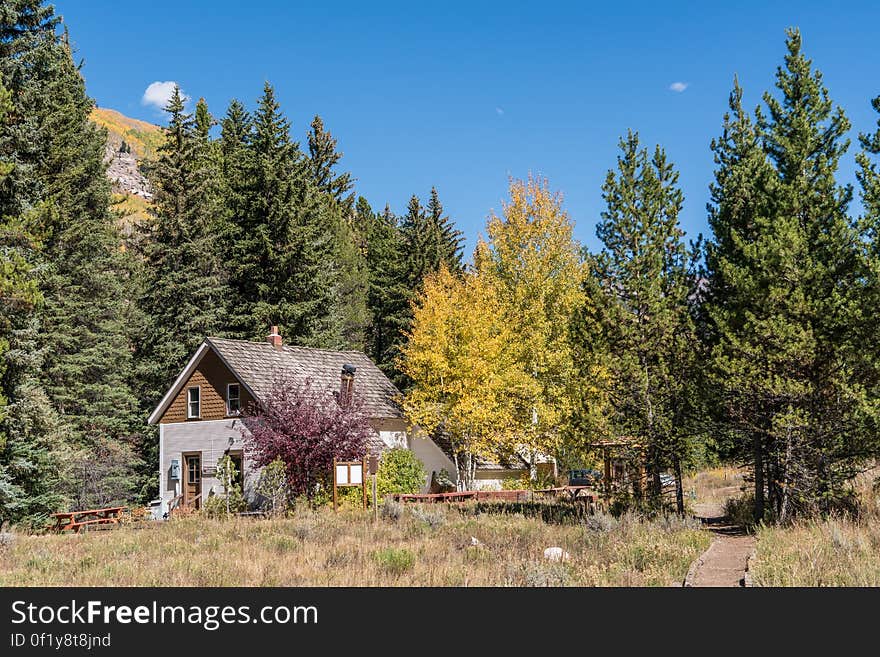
(392, 432)
(211, 438)
(432, 457)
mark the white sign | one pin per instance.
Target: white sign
(342, 474)
(357, 474)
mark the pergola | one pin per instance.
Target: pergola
(616, 455)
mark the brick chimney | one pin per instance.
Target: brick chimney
(274, 338)
(346, 385)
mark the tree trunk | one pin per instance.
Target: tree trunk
(679, 490)
(758, 453)
(786, 495)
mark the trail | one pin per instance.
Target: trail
(725, 562)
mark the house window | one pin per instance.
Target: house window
(193, 403)
(233, 399)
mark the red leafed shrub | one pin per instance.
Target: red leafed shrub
(304, 426)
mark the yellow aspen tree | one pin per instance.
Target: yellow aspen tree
(534, 263)
(459, 356)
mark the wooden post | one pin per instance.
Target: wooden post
(607, 471)
(334, 483)
(364, 481)
(375, 505)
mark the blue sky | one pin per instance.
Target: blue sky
(463, 95)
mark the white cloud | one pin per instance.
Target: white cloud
(499, 111)
(159, 93)
(678, 87)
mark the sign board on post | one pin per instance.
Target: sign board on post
(349, 473)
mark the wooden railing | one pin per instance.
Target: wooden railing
(464, 496)
(177, 504)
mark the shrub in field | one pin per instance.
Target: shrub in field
(399, 472)
(232, 500)
(540, 575)
(434, 518)
(273, 487)
(394, 561)
(392, 510)
(7, 540)
(600, 522)
(741, 511)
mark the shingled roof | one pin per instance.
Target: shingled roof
(257, 364)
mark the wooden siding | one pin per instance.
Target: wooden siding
(211, 376)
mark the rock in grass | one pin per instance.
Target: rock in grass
(556, 554)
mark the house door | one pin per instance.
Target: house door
(192, 487)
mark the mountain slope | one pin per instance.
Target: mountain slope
(143, 138)
(129, 143)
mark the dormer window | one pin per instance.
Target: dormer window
(233, 399)
(193, 403)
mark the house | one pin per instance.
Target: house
(199, 417)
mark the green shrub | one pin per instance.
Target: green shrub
(434, 518)
(394, 561)
(399, 472)
(741, 511)
(215, 505)
(392, 510)
(444, 481)
(352, 497)
(232, 501)
(273, 486)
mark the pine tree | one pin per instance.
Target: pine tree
(825, 426)
(786, 295)
(202, 121)
(448, 244)
(430, 239)
(185, 293)
(323, 158)
(59, 174)
(284, 260)
(29, 479)
(33, 439)
(740, 214)
(644, 273)
(388, 293)
(84, 281)
(868, 176)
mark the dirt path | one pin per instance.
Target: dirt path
(725, 562)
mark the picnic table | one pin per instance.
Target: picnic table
(77, 520)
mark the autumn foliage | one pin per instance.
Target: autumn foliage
(305, 427)
(489, 349)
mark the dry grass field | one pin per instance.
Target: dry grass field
(423, 546)
(829, 552)
(714, 486)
